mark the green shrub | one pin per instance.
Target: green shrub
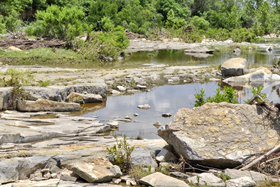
(102, 44)
(199, 22)
(2, 25)
(61, 23)
(199, 98)
(12, 22)
(120, 154)
(229, 96)
(242, 35)
(257, 90)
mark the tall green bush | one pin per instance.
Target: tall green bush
(62, 23)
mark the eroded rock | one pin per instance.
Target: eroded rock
(46, 105)
(221, 134)
(84, 98)
(233, 67)
(206, 179)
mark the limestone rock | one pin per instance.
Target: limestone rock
(92, 172)
(121, 88)
(59, 93)
(160, 180)
(233, 67)
(206, 179)
(220, 134)
(255, 176)
(46, 105)
(165, 155)
(84, 98)
(179, 175)
(260, 75)
(5, 97)
(113, 124)
(13, 48)
(240, 182)
(145, 106)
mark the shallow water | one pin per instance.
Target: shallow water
(170, 98)
(163, 99)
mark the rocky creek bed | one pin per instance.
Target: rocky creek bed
(41, 145)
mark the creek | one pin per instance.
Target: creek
(170, 98)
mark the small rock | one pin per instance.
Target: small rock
(145, 106)
(179, 175)
(117, 181)
(157, 124)
(141, 87)
(159, 179)
(135, 114)
(166, 115)
(115, 92)
(269, 49)
(127, 117)
(240, 182)
(47, 175)
(13, 48)
(113, 124)
(54, 175)
(121, 88)
(237, 51)
(206, 179)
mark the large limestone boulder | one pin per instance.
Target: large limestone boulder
(59, 93)
(46, 105)
(233, 67)
(221, 134)
(160, 180)
(260, 75)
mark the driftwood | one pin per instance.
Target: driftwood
(268, 108)
(254, 162)
(25, 44)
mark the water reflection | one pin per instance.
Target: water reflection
(164, 99)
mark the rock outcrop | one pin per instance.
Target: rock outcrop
(261, 75)
(59, 93)
(84, 98)
(234, 67)
(221, 134)
(46, 105)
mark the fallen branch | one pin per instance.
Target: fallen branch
(254, 162)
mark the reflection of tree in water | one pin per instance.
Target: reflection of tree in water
(152, 53)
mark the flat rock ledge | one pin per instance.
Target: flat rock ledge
(46, 105)
(221, 134)
(94, 92)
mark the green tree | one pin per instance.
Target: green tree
(62, 23)
(199, 22)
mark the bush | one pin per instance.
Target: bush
(257, 90)
(242, 35)
(120, 154)
(200, 23)
(229, 96)
(61, 23)
(102, 44)
(2, 25)
(13, 24)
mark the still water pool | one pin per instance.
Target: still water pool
(170, 98)
(163, 99)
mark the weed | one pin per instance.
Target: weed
(257, 90)
(44, 83)
(120, 153)
(139, 171)
(16, 79)
(224, 177)
(199, 98)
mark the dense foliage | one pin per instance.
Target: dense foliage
(240, 20)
